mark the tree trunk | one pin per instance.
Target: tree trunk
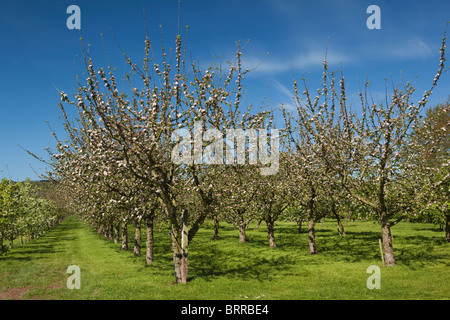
(116, 232)
(311, 236)
(216, 229)
(184, 246)
(177, 254)
(311, 224)
(271, 234)
(104, 231)
(137, 237)
(179, 247)
(389, 259)
(110, 231)
(124, 235)
(447, 227)
(299, 225)
(338, 219)
(340, 227)
(387, 243)
(242, 236)
(149, 256)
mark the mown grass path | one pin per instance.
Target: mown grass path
(227, 269)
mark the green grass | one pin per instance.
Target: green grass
(227, 269)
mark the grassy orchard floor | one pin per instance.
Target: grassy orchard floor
(227, 269)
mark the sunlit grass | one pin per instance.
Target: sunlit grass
(227, 269)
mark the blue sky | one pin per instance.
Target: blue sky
(39, 54)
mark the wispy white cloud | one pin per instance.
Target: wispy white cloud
(265, 65)
(305, 60)
(283, 89)
(315, 58)
(413, 48)
(286, 98)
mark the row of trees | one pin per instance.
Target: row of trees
(118, 156)
(23, 213)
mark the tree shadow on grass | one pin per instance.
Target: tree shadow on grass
(254, 260)
(423, 251)
(355, 246)
(37, 249)
(48, 243)
(225, 257)
(215, 263)
(424, 241)
(413, 251)
(433, 228)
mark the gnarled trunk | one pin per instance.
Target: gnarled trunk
(124, 235)
(149, 256)
(311, 236)
(299, 225)
(110, 231)
(341, 227)
(338, 219)
(137, 237)
(242, 236)
(184, 246)
(116, 232)
(180, 250)
(447, 227)
(271, 234)
(311, 225)
(216, 229)
(387, 242)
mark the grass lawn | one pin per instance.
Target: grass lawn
(226, 269)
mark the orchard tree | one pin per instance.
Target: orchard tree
(309, 168)
(9, 206)
(139, 129)
(236, 194)
(108, 195)
(22, 212)
(295, 213)
(365, 150)
(274, 193)
(431, 157)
